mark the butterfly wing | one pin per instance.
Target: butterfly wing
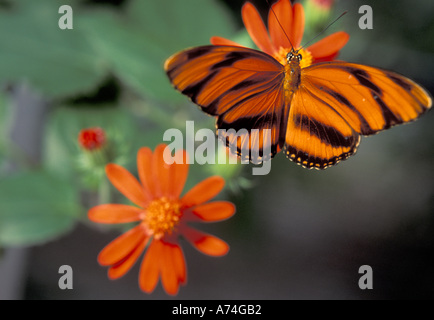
(317, 135)
(243, 88)
(337, 102)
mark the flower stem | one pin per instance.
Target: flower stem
(104, 192)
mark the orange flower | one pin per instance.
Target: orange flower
(275, 41)
(163, 216)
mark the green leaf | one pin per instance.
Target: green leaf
(138, 42)
(35, 207)
(3, 113)
(34, 49)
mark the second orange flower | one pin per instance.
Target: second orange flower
(289, 24)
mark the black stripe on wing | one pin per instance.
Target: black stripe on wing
(312, 162)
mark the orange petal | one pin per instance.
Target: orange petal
(114, 213)
(219, 41)
(203, 191)
(150, 268)
(205, 243)
(120, 269)
(144, 168)
(171, 276)
(122, 246)
(256, 28)
(329, 46)
(283, 10)
(326, 58)
(179, 264)
(178, 174)
(214, 211)
(161, 172)
(127, 184)
(297, 28)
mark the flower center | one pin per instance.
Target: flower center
(306, 60)
(162, 216)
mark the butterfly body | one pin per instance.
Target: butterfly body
(292, 71)
(315, 114)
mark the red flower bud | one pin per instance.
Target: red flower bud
(91, 138)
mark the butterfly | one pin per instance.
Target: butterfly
(315, 114)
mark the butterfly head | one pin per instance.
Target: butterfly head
(301, 57)
(294, 55)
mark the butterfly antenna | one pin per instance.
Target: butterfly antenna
(342, 14)
(274, 13)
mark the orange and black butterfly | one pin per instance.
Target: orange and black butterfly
(316, 114)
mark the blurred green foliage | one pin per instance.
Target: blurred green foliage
(35, 49)
(4, 116)
(125, 45)
(36, 206)
(136, 42)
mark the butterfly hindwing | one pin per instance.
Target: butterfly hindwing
(317, 136)
(242, 87)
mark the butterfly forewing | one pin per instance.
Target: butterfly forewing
(370, 99)
(243, 88)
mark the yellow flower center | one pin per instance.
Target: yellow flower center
(306, 60)
(162, 216)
